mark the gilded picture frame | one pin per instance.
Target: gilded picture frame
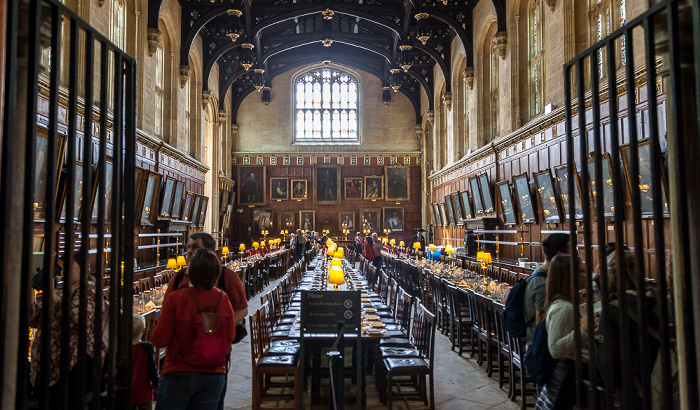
(486, 197)
(476, 196)
(252, 184)
(450, 210)
(547, 197)
(346, 220)
(506, 199)
(645, 185)
(167, 197)
(300, 189)
(353, 188)
(398, 183)
(394, 218)
(286, 221)
(374, 187)
(279, 189)
(459, 216)
(307, 220)
(203, 211)
(370, 219)
(150, 198)
(524, 195)
(326, 180)
(561, 174)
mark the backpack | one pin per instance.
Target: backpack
(241, 330)
(514, 310)
(538, 361)
(210, 347)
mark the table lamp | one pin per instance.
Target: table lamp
(241, 248)
(480, 256)
(335, 276)
(262, 244)
(337, 262)
(256, 245)
(487, 258)
(392, 242)
(416, 245)
(225, 252)
(172, 264)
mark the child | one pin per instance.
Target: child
(144, 376)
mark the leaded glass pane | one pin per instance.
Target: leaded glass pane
(336, 95)
(343, 95)
(308, 125)
(352, 124)
(317, 124)
(300, 124)
(336, 124)
(317, 95)
(343, 124)
(326, 124)
(300, 95)
(352, 95)
(309, 95)
(326, 95)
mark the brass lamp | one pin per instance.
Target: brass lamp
(181, 262)
(402, 244)
(241, 248)
(172, 264)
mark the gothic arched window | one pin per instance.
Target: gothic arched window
(536, 57)
(326, 107)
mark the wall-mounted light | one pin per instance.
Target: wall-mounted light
(423, 32)
(405, 61)
(234, 24)
(247, 56)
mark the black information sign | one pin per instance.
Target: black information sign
(322, 310)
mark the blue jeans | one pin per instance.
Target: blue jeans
(189, 390)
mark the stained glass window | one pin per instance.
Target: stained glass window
(536, 60)
(326, 107)
(623, 21)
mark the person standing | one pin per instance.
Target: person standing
(299, 243)
(368, 252)
(186, 384)
(232, 286)
(377, 244)
(418, 237)
(144, 372)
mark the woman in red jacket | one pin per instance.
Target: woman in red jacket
(368, 252)
(184, 385)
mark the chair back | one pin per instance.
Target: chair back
(391, 295)
(403, 308)
(255, 348)
(423, 332)
(483, 314)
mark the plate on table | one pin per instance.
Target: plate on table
(377, 325)
(371, 318)
(370, 310)
(375, 331)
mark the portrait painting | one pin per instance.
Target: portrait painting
(433, 215)
(486, 193)
(150, 198)
(503, 189)
(476, 195)
(397, 183)
(195, 209)
(327, 184)
(307, 220)
(353, 188)
(167, 196)
(393, 218)
(374, 187)
(41, 170)
(251, 185)
(436, 214)
(109, 174)
(450, 210)
(522, 192)
(177, 199)
(547, 198)
(279, 189)
(187, 208)
(262, 219)
(223, 198)
(562, 176)
(347, 221)
(443, 214)
(286, 221)
(139, 187)
(76, 191)
(299, 188)
(228, 216)
(369, 218)
(607, 188)
(643, 181)
(459, 216)
(466, 207)
(202, 211)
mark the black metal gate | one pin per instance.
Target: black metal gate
(67, 183)
(633, 364)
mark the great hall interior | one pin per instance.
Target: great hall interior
(286, 129)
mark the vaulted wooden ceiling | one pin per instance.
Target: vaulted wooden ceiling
(288, 34)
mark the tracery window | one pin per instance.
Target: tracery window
(606, 17)
(188, 103)
(536, 57)
(160, 75)
(118, 24)
(326, 107)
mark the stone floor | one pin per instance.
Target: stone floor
(459, 382)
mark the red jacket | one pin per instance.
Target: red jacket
(368, 253)
(175, 327)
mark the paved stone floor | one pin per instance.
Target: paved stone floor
(459, 382)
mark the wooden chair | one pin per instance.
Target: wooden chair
(503, 348)
(487, 334)
(460, 320)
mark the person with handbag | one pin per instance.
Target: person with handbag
(196, 325)
(229, 282)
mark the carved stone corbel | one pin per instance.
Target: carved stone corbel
(154, 39)
(430, 116)
(184, 75)
(469, 77)
(551, 4)
(222, 116)
(419, 131)
(500, 42)
(447, 99)
(234, 130)
(206, 98)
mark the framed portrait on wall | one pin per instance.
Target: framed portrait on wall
(450, 210)
(299, 188)
(459, 216)
(522, 191)
(353, 188)
(393, 218)
(286, 221)
(109, 174)
(443, 214)
(262, 219)
(466, 207)
(139, 186)
(307, 220)
(503, 189)
(167, 202)
(486, 193)
(547, 198)
(476, 195)
(187, 207)
(327, 184)
(223, 200)
(436, 211)
(279, 189)
(397, 183)
(76, 190)
(251, 185)
(369, 219)
(606, 189)
(177, 199)
(374, 187)
(562, 176)
(228, 216)
(643, 181)
(41, 170)
(195, 209)
(202, 211)
(150, 198)
(433, 215)
(346, 221)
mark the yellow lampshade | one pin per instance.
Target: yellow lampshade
(340, 253)
(401, 244)
(487, 258)
(335, 276)
(181, 261)
(432, 247)
(416, 245)
(450, 250)
(384, 240)
(393, 242)
(262, 244)
(480, 256)
(224, 250)
(256, 245)
(241, 247)
(172, 263)
(337, 262)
